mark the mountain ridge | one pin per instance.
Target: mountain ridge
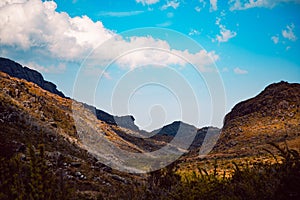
(30, 115)
(15, 69)
(271, 116)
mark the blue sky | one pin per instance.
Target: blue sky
(243, 45)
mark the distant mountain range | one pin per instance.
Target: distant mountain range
(33, 111)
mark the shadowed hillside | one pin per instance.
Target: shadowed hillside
(41, 139)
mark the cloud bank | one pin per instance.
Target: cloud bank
(33, 25)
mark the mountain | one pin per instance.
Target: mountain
(72, 133)
(271, 116)
(16, 70)
(173, 128)
(123, 121)
(168, 132)
(31, 116)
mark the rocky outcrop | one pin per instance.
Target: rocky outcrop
(271, 116)
(122, 121)
(16, 70)
(275, 97)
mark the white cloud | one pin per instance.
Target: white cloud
(194, 32)
(173, 4)
(246, 4)
(275, 39)
(35, 26)
(213, 5)
(148, 50)
(121, 14)
(289, 32)
(8, 2)
(225, 34)
(198, 9)
(237, 70)
(147, 2)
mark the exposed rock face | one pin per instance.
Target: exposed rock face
(123, 121)
(275, 97)
(271, 116)
(16, 70)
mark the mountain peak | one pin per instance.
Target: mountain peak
(16, 70)
(271, 116)
(267, 101)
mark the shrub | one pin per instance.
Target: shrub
(31, 179)
(260, 181)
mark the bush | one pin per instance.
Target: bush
(31, 179)
(261, 181)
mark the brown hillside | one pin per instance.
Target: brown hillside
(271, 116)
(30, 115)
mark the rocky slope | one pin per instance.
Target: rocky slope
(16, 70)
(30, 115)
(271, 116)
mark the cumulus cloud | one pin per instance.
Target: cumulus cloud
(213, 5)
(275, 39)
(36, 24)
(141, 51)
(237, 70)
(288, 33)
(225, 34)
(33, 25)
(170, 4)
(8, 2)
(147, 2)
(246, 4)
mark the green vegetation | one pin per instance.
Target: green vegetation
(31, 178)
(261, 181)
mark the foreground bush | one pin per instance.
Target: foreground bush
(31, 179)
(262, 181)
